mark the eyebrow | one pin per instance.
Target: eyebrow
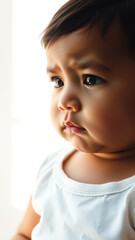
(84, 65)
(93, 65)
(51, 69)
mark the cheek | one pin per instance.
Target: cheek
(106, 119)
(55, 113)
(103, 121)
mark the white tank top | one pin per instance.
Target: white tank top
(72, 210)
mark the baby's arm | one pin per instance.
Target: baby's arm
(30, 220)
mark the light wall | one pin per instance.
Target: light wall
(26, 133)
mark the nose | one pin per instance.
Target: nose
(69, 100)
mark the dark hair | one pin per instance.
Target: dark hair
(76, 14)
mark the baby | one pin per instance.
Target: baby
(87, 190)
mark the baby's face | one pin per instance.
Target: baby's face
(93, 99)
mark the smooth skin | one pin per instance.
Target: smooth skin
(94, 88)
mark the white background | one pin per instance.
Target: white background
(26, 132)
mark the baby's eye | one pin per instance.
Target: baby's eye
(57, 82)
(92, 80)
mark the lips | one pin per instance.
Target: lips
(71, 127)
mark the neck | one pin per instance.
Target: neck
(113, 166)
(100, 168)
(124, 155)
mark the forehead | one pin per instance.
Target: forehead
(82, 47)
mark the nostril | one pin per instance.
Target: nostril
(73, 105)
(62, 109)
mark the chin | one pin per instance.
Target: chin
(87, 147)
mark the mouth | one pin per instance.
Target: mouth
(71, 127)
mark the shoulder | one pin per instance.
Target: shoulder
(45, 177)
(52, 159)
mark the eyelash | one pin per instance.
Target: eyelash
(91, 82)
(53, 79)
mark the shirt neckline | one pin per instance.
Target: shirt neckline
(85, 189)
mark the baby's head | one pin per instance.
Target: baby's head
(76, 14)
(90, 47)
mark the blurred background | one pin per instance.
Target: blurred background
(26, 133)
